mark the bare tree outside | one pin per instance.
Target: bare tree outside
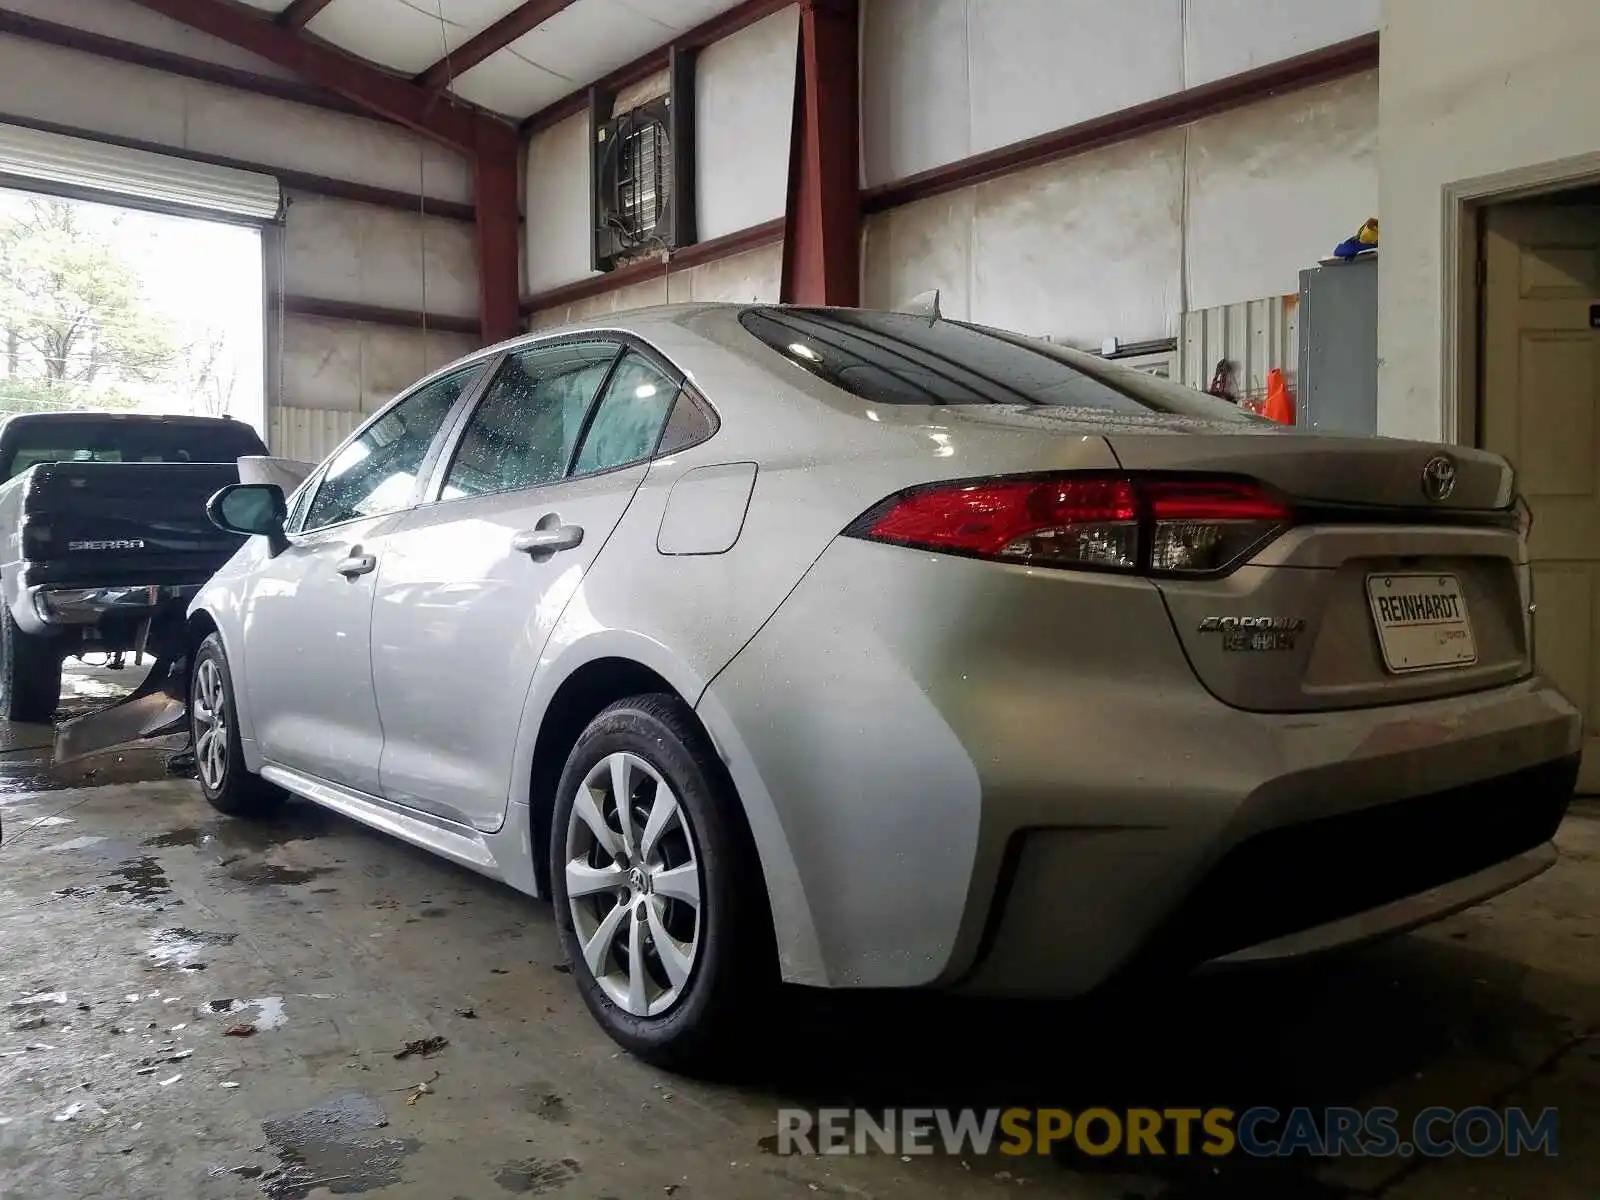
(211, 374)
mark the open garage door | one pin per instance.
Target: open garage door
(38, 160)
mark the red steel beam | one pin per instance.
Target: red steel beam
(388, 95)
(520, 20)
(822, 231)
(496, 195)
(300, 13)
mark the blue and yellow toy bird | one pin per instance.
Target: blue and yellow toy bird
(1366, 239)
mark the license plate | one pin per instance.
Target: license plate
(1422, 622)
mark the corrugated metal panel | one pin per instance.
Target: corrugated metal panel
(137, 175)
(309, 434)
(1253, 335)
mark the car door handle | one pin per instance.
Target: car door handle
(545, 542)
(357, 564)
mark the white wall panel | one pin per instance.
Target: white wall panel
(308, 434)
(337, 250)
(915, 90)
(1039, 65)
(1225, 37)
(49, 84)
(1079, 250)
(1471, 89)
(751, 277)
(1275, 186)
(947, 79)
(134, 23)
(348, 367)
(559, 241)
(744, 107)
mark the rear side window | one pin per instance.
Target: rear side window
(627, 423)
(523, 431)
(898, 358)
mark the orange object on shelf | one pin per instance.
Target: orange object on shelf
(1280, 405)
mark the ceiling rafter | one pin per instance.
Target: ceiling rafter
(400, 100)
(300, 13)
(523, 19)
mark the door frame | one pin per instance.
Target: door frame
(1462, 263)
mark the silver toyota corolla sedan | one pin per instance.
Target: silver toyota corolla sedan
(875, 650)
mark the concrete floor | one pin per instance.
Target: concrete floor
(137, 927)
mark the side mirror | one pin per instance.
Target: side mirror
(252, 509)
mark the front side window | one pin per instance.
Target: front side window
(523, 431)
(627, 424)
(377, 473)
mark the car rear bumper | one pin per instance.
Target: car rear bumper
(1282, 892)
(978, 777)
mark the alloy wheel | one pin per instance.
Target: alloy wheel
(211, 724)
(633, 884)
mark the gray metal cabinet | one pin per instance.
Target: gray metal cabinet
(1338, 385)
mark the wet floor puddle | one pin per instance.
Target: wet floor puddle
(142, 880)
(263, 1012)
(334, 1146)
(536, 1176)
(260, 874)
(186, 949)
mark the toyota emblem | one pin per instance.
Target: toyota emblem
(1438, 477)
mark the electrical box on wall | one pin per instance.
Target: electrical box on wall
(1338, 390)
(641, 171)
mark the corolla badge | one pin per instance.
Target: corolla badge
(1439, 477)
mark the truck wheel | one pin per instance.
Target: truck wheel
(218, 759)
(30, 675)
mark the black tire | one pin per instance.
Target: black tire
(734, 966)
(30, 674)
(232, 789)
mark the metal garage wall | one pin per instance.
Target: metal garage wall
(741, 278)
(1254, 335)
(1080, 250)
(744, 107)
(1118, 242)
(329, 372)
(1471, 89)
(1274, 187)
(45, 83)
(336, 372)
(945, 79)
(340, 250)
(744, 97)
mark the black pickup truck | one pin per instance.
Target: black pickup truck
(105, 537)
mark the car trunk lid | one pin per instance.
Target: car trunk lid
(1403, 578)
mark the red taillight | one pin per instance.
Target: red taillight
(1159, 524)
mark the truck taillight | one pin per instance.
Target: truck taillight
(1150, 524)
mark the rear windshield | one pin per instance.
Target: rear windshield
(898, 358)
(126, 441)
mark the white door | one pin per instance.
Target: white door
(1541, 409)
(308, 621)
(471, 586)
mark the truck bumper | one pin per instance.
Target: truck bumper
(48, 606)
